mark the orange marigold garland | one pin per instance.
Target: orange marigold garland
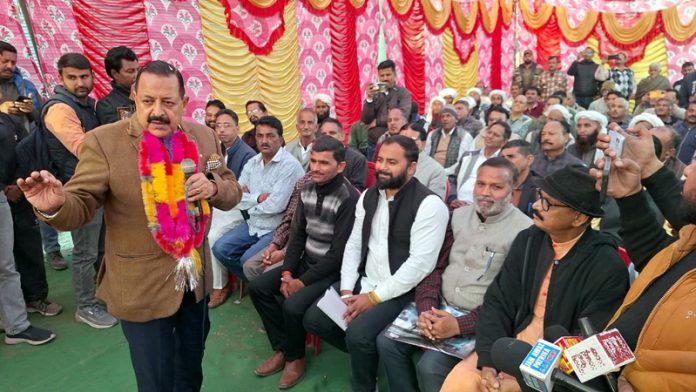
(164, 199)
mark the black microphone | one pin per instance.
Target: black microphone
(506, 348)
(555, 332)
(188, 166)
(508, 354)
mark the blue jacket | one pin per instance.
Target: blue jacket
(237, 156)
(25, 87)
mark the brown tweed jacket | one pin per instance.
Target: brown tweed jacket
(134, 280)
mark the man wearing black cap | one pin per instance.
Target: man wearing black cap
(556, 272)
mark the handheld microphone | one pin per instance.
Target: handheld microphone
(560, 336)
(586, 327)
(588, 330)
(533, 366)
(188, 166)
(599, 355)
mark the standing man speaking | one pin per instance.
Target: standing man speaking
(124, 168)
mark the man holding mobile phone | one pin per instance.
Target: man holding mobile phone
(18, 96)
(623, 76)
(379, 98)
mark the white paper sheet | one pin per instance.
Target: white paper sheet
(334, 307)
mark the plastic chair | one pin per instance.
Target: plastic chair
(632, 273)
(370, 180)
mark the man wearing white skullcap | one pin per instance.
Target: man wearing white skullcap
(647, 120)
(478, 110)
(432, 115)
(448, 94)
(588, 124)
(498, 97)
(477, 91)
(561, 109)
(322, 106)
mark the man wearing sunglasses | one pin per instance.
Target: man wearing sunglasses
(556, 272)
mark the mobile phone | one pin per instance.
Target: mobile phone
(616, 143)
(23, 99)
(613, 57)
(382, 87)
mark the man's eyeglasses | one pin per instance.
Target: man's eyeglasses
(252, 111)
(545, 203)
(223, 125)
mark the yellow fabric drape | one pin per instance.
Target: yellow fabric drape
(237, 75)
(466, 22)
(401, 7)
(357, 3)
(437, 18)
(508, 8)
(489, 18)
(674, 26)
(655, 52)
(579, 33)
(263, 3)
(536, 19)
(629, 35)
(458, 76)
(319, 4)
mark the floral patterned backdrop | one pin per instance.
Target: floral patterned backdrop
(367, 37)
(678, 54)
(55, 32)
(434, 69)
(507, 65)
(174, 33)
(392, 39)
(314, 38)
(483, 45)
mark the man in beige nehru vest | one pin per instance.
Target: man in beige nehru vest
(475, 246)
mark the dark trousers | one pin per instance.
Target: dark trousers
(28, 252)
(167, 353)
(283, 322)
(584, 101)
(360, 339)
(430, 371)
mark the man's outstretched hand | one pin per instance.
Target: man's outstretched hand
(43, 191)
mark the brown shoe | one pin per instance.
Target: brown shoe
(56, 261)
(272, 365)
(292, 374)
(218, 297)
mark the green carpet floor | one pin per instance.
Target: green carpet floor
(85, 359)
